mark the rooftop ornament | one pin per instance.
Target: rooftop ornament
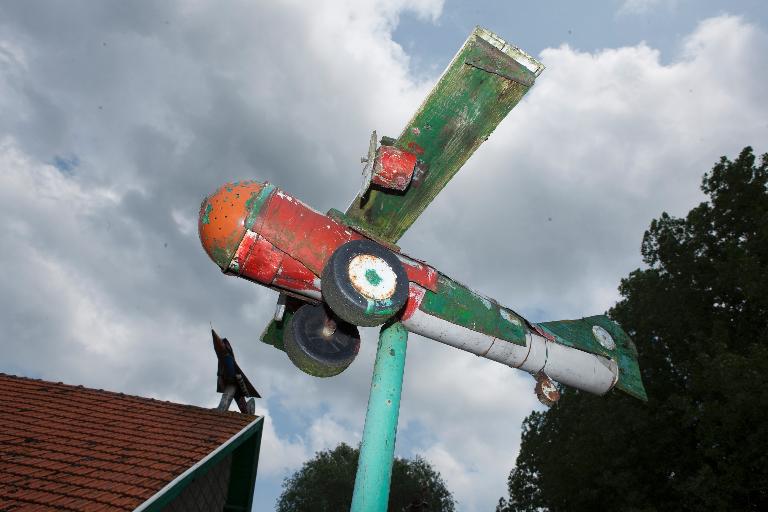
(231, 381)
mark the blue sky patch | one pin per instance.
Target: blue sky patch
(66, 165)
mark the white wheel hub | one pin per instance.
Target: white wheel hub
(372, 277)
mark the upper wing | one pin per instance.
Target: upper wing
(485, 80)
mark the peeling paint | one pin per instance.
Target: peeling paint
(393, 168)
(509, 317)
(372, 277)
(415, 296)
(222, 218)
(205, 217)
(419, 272)
(256, 202)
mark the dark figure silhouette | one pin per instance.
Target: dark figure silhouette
(231, 382)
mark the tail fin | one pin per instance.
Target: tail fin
(602, 336)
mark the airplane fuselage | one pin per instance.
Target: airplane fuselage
(258, 232)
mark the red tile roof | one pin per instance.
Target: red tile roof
(70, 448)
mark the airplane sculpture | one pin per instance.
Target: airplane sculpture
(338, 271)
(231, 382)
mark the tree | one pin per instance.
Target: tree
(325, 484)
(698, 314)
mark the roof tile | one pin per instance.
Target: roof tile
(70, 448)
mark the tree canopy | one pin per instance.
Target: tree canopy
(698, 313)
(325, 484)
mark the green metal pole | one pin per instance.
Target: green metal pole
(374, 468)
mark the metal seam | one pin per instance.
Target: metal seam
(530, 344)
(493, 342)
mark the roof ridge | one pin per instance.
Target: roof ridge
(117, 394)
(128, 420)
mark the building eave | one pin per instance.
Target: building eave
(164, 496)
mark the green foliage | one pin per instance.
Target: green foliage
(699, 316)
(325, 483)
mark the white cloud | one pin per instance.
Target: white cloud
(108, 286)
(279, 456)
(326, 433)
(635, 7)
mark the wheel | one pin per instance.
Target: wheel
(364, 283)
(318, 343)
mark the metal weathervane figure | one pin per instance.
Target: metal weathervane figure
(231, 382)
(342, 270)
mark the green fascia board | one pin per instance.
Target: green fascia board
(485, 80)
(460, 305)
(242, 475)
(249, 438)
(578, 334)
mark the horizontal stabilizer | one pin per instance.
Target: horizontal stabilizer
(602, 336)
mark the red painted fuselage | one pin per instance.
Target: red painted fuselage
(258, 232)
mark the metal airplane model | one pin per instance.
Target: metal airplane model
(338, 271)
(231, 382)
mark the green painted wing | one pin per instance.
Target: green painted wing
(485, 80)
(273, 333)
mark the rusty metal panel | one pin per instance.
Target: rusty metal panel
(485, 80)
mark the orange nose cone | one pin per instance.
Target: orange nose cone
(224, 217)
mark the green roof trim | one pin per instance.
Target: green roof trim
(244, 447)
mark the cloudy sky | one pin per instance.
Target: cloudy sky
(117, 118)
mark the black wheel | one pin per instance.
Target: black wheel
(318, 343)
(364, 283)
